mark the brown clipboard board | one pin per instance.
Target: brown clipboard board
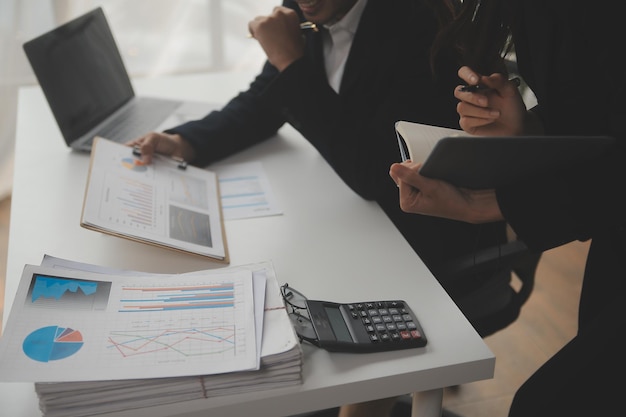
(165, 243)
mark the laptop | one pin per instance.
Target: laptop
(80, 70)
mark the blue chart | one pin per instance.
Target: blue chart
(56, 287)
(52, 343)
(200, 322)
(190, 297)
(67, 293)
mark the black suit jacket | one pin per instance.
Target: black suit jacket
(567, 53)
(387, 78)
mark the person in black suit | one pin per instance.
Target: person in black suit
(566, 52)
(347, 112)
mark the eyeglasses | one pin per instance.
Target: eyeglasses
(298, 312)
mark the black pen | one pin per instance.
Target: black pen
(182, 164)
(480, 87)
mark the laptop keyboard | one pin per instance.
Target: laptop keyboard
(143, 116)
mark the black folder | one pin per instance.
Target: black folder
(484, 162)
(488, 162)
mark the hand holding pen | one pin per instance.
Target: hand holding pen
(477, 88)
(490, 105)
(280, 36)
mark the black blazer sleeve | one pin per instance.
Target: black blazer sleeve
(387, 78)
(568, 57)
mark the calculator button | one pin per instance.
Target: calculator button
(405, 335)
(416, 334)
(389, 325)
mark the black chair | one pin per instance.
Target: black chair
(494, 301)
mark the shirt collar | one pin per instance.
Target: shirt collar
(350, 21)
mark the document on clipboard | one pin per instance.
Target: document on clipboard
(486, 162)
(166, 203)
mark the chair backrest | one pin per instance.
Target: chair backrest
(490, 300)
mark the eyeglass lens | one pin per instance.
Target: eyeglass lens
(293, 297)
(299, 314)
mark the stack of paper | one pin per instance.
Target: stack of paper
(97, 341)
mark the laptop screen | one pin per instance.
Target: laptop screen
(81, 73)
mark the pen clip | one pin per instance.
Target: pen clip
(181, 163)
(303, 26)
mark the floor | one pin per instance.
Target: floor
(547, 322)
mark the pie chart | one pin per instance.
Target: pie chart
(52, 343)
(133, 164)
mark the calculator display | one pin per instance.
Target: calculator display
(338, 324)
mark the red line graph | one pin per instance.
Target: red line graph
(186, 341)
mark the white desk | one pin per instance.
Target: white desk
(329, 244)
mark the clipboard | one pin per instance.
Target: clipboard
(485, 162)
(168, 203)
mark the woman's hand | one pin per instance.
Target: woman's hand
(163, 143)
(496, 110)
(279, 35)
(421, 195)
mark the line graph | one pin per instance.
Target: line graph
(175, 322)
(186, 342)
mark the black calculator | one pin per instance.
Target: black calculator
(372, 326)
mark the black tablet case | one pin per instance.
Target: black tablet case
(488, 162)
